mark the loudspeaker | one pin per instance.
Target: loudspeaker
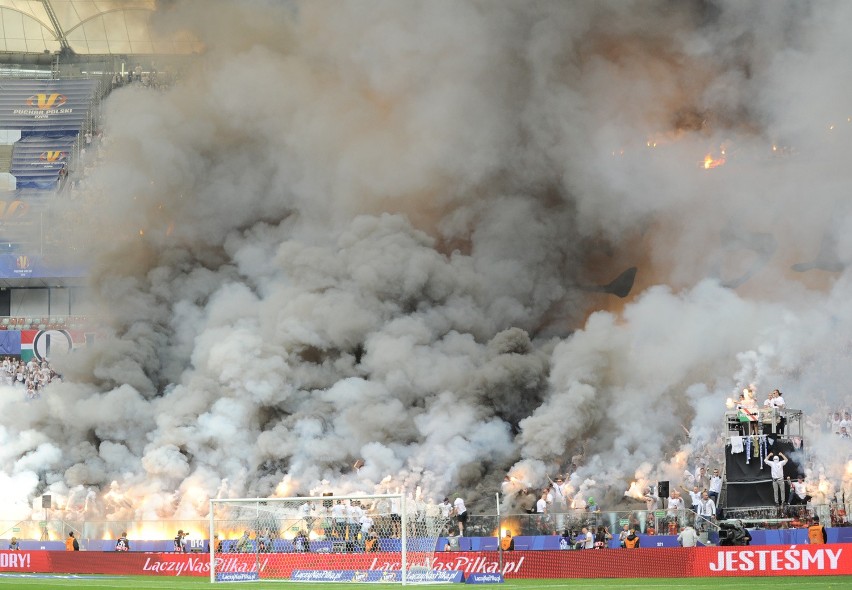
(663, 489)
(45, 501)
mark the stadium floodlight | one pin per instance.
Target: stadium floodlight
(354, 538)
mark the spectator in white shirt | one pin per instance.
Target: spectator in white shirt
(687, 537)
(776, 470)
(715, 486)
(460, 510)
(706, 509)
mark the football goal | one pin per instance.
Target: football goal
(355, 538)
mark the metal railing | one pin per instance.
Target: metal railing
(45, 322)
(658, 522)
(478, 525)
(785, 422)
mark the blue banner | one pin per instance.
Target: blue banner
(10, 342)
(24, 266)
(419, 577)
(237, 577)
(38, 158)
(485, 579)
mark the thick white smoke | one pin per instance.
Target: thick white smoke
(381, 231)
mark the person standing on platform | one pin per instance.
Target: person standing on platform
(715, 488)
(460, 511)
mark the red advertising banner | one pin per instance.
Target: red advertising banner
(765, 560)
(773, 560)
(24, 561)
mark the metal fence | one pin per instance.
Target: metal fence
(478, 525)
(660, 522)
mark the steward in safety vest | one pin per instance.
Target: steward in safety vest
(816, 533)
(631, 541)
(507, 543)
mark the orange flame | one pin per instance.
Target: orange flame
(511, 525)
(710, 162)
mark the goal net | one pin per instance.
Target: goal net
(358, 538)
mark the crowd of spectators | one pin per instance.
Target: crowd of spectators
(694, 501)
(840, 423)
(33, 376)
(150, 78)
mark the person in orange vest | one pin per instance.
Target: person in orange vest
(816, 533)
(71, 543)
(632, 540)
(507, 543)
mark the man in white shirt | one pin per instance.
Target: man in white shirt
(715, 489)
(559, 495)
(652, 502)
(776, 403)
(776, 471)
(306, 513)
(694, 497)
(338, 518)
(701, 479)
(675, 508)
(541, 505)
(587, 538)
(687, 537)
(706, 510)
(460, 510)
(366, 523)
(846, 423)
(798, 492)
(354, 512)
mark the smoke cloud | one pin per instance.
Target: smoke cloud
(382, 230)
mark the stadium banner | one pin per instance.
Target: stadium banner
(769, 560)
(31, 266)
(46, 105)
(802, 560)
(25, 561)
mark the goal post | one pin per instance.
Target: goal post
(355, 538)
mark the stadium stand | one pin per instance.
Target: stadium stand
(50, 116)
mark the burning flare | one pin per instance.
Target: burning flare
(710, 162)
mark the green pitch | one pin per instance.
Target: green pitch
(164, 583)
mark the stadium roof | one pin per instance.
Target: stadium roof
(87, 27)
